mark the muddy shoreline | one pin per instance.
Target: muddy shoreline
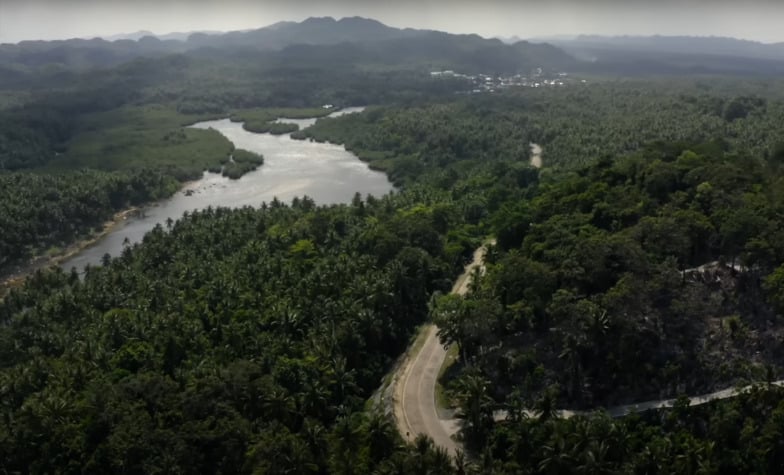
(17, 277)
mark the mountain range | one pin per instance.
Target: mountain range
(359, 39)
(137, 35)
(365, 41)
(685, 53)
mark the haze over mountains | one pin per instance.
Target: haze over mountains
(362, 40)
(713, 45)
(323, 39)
(137, 35)
(685, 53)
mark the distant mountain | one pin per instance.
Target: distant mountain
(510, 40)
(183, 36)
(128, 36)
(84, 54)
(546, 54)
(313, 31)
(353, 40)
(372, 41)
(174, 36)
(356, 40)
(675, 53)
(431, 51)
(715, 45)
(551, 38)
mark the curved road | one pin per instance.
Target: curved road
(415, 382)
(414, 401)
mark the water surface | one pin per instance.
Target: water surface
(304, 123)
(325, 172)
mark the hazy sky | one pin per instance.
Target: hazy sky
(55, 19)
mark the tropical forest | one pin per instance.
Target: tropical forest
(341, 247)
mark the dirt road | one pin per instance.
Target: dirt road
(414, 400)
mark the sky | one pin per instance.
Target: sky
(759, 20)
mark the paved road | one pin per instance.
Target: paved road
(620, 411)
(415, 382)
(626, 409)
(415, 405)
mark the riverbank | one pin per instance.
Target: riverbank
(326, 173)
(16, 278)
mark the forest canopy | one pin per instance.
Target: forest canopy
(643, 261)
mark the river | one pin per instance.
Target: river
(304, 123)
(325, 172)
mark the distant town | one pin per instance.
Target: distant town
(490, 83)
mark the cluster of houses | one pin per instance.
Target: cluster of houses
(490, 83)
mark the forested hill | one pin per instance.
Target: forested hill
(369, 40)
(316, 31)
(247, 341)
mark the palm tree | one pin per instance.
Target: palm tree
(423, 445)
(381, 436)
(547, 405)
(517, 409)
(449, 312)
(342, 379)
(475, 408)
(345, 443)
(571, 353)
(594, 459)
(316, 439)
(440, 461)
(557, 457)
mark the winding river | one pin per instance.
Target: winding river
(325, 172)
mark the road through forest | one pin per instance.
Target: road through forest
(415, 384)
(414, 400)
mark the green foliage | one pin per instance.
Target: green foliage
(741, 107)
(240, 341)
(244, 156)
(406, 142)
(246, 341)
(273, 128)
(261, 115)
(235, 170)
(262, 120)
(741, 435)
(774, 286)
(240, 162)
(144, 137)
(604, 291)
(574, 124)
(44, 210)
